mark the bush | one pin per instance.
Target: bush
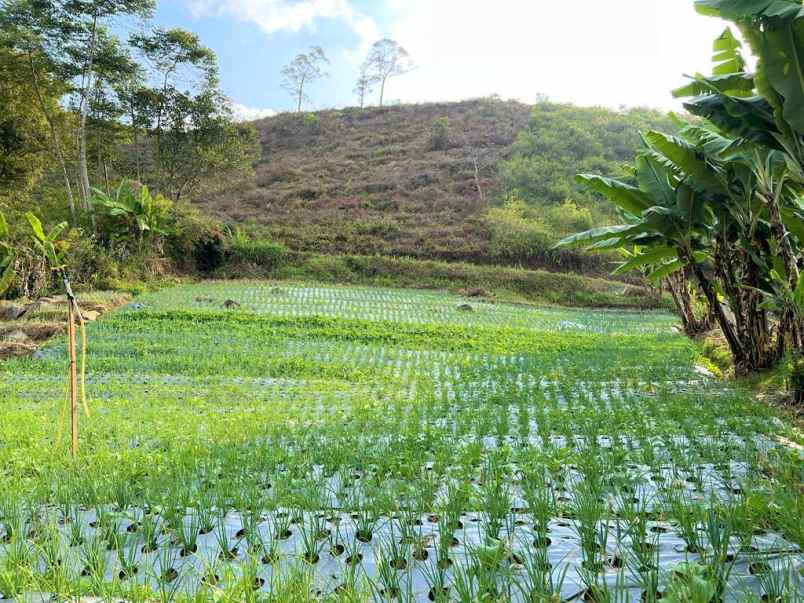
(439, 134)
(266, 254)
(517, 231)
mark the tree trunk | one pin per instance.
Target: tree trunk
(55, 138)
(382, 90)
(83, 169)
(737, 352)
(679, 287)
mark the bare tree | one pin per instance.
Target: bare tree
(363, 86)
(480, 158)
(387, 59)
(303, 69)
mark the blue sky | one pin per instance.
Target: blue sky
(618, 52)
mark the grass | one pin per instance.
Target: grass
(499, 283)
(371, 182)
(358, 444)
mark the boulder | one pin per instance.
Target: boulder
(17, 336)
(12, 311)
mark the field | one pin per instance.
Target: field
(258, 441)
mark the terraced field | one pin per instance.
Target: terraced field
(266, 441)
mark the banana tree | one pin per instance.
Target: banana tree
(694, 209)
(7, 272)
(135, 209)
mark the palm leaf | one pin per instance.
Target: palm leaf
(651, 256)
(748, 9)
(687, 160)
(665, 270)
(626, 197)
(782, 55)
(594, 235)
(36, 226)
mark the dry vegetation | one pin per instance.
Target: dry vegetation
(371, 181)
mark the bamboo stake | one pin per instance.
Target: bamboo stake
(73, 378)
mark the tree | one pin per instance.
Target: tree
(303, 69)
(363, 86)
(189, 133)
(24, 131)
(84, 20)
(387, 59)
(66, 40)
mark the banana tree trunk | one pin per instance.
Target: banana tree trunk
(735, 346)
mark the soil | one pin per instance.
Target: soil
(42, 320)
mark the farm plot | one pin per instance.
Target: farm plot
(366, 444)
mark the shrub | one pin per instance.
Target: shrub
(262, 253)
(517, 231)
(439, 134)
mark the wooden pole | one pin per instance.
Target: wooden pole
(73, 378)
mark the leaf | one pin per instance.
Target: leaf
(747, 9)
(593, 235)
(798, 295)
(749, 118)
(3, 226)
(794, 223)
(688, 160)
(36, 226)
(665, 270)
(56, 231)
(733, 84)
(782, 56)
(7, 279)
(654, 179)
(651, 256)
(628, 198)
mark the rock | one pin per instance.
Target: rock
(704, 372)
(230, 304)
(11, 311)
(18, 336)
(464, 308)
(474, 292)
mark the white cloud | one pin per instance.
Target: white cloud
(245, 113)
(291, 15)
(630, 52)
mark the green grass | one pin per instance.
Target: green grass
(353, 443)
(501, 283)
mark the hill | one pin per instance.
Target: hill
(418, 180)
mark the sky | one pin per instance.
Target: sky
(590, 52)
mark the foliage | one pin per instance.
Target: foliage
(7, 272)
(439, 134)
(373, 411)
(723, 200)
(49, 244)
(386, 59)
(306, 67)
(134, 212)
(562, 140)
(384, 178)
(241, 248)
(519, 230)
(24, 132)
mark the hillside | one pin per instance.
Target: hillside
(401, 180)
